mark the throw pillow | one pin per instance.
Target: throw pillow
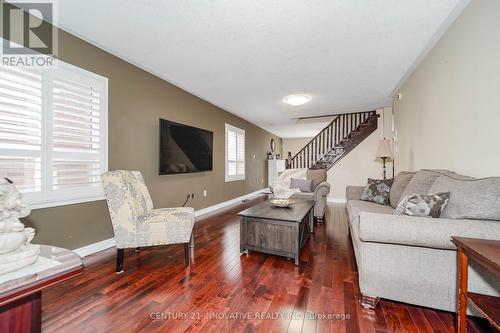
(400, 183)
(304, 185)
(377, 190)
(424, 205)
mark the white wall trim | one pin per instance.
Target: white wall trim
(95, 247)
(66, 202)
(226, 203)
(336, 200)
(87, 250)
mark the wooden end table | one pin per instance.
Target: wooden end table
(21, 299)
(487, 254)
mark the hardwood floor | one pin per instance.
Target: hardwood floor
(156, 292)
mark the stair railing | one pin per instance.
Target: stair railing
(337, 131)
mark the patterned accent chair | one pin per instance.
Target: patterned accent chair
(135, 222)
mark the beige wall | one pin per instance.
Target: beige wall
(293, 145)
(360, 163)
(449, 113)
(137, 100)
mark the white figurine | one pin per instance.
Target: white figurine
(15, 249)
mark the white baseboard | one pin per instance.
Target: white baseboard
(109, 243)
(336, 200)
(95, 247)
(226, 203)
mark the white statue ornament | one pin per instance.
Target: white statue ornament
(16, 251)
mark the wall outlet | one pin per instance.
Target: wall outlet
(204, 193)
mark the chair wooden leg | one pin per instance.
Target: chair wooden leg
(120, 257)
(186, 254)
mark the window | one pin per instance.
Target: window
(53, 133)
(235, 153)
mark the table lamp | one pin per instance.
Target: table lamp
(384, 152)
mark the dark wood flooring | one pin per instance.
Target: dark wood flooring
(225, 292)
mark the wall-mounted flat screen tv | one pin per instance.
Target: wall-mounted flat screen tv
(184, 149)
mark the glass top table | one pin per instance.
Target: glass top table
(62, 264)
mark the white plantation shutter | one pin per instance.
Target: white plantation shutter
(235, 153)
(76, 131)
(21, 127)
(53, 133)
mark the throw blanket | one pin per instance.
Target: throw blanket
(281, 188)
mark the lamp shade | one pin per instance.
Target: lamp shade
(384, 149)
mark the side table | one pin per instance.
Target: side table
(487, 254)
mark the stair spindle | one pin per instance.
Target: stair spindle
(315, 157)
(344, 127)
(324, 142)
(337, 132)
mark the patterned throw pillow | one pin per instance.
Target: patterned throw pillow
(425, 205)
(377, 190)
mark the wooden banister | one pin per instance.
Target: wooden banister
(333, 137)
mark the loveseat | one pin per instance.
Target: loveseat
(319, 191)
(411, 259)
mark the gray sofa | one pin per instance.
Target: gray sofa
(411, 259)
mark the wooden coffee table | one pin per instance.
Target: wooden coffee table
(279, 231)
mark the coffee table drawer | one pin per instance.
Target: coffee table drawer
(270, 236)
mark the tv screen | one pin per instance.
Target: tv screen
(184, 148)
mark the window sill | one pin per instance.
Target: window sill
(58, 203)
(228, 180)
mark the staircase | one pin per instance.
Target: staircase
(336, 140)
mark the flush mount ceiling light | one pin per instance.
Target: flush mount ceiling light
(297, 100)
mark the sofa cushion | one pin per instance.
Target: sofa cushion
(421, 182)
(304, 185)
(355, 207)
(317, 176)
(423, 231)
(400, 183)
(471, 198)
(377, 190)
(423, 205)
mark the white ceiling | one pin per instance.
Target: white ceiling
(246, 56)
